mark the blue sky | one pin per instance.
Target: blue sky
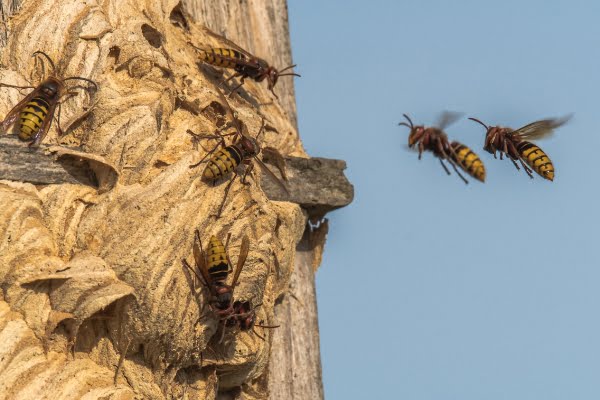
(430, 289)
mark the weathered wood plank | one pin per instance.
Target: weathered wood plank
(317, 184)
(18, 162)
(49, 165)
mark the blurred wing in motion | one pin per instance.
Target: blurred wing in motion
(541, 129)
(447, 118)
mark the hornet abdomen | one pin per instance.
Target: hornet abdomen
(468, 161)
(32, 117)
(223, 57)
(536, 159)
(218, 267)
(223, 162)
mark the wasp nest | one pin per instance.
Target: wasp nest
(92, 280)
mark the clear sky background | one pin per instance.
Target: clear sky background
(431, 289)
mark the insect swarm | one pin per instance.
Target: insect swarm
(36, 111)
(244, 150)
(243, 63)
(434, 139)
(516, 146)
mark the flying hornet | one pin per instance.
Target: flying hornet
(515, 144)
(434, 139)
(242, 62)
(244, 150)
(212, 269)
(36, 111)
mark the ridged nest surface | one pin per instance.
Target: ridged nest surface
(91, 275)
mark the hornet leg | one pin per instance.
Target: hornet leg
(443, 156)
(512, 153)
(231, 77)
(513, 150)
(238, 86)
(515, 164)
(60, 131)
(67, 96)
(19, 88)
(441, 150)
(453, 163)
(198, 137)
(226, 193)
(526, 168)
(445, 168)
(248, 170)
(458, 172)
(256, 333)
(505, 150)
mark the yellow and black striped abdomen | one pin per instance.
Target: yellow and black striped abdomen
(227, 58)
(218, 268)
(468, 161)
(223, 162)
(32, 116)
(536, 159)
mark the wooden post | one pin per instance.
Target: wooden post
(295, 367)
(91, 254)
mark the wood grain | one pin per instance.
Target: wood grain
(295, 366)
